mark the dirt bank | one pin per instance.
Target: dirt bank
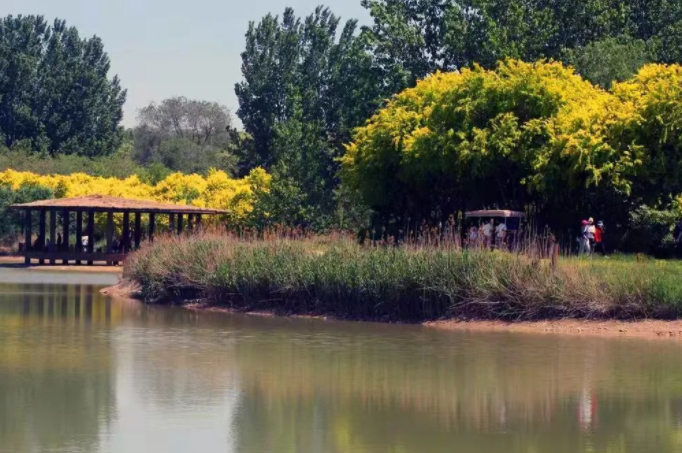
(122, 290)
(18, 262)
(644, 329)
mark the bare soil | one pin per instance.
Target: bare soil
(647, 328)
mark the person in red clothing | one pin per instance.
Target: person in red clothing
(599, 238)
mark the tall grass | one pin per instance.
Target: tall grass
(334, 275)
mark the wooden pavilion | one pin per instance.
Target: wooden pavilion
(55, 245)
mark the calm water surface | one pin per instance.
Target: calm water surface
(82, 373)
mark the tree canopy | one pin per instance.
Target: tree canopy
(416, 38)
(185, 135)
(523, 134)
(652, 133)
(306, 85)
(55, 94)
(610, 60)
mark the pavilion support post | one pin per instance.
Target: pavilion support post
(198, 221)
(78, 247)
(110, 234)
(180, 226)
(41, 234)
(171, 223)
(65, 233)
(152, 226)
(125, 241)
(138, 229)
(190, 222)
(29, 233)
(53, 236)
(91, 235)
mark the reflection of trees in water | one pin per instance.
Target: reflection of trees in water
(178, 362)
(426, 391)
(56, 384)
(333, 387)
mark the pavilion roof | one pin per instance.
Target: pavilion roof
(107, 203)
(495, 213)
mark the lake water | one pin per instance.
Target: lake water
(82, 373)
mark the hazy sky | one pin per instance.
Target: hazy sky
(164, 48)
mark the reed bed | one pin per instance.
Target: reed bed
(334, 275)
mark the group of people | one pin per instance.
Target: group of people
(591, 239)
(488, 234)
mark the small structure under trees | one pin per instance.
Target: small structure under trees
(68, 218)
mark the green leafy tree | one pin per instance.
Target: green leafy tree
(55, 94)
(414, 38)
(651, 231)
(184, 155)
(610, 60)
(668, 42)
(186, 135)
(306, 86)
(282, 204)
(11, 225)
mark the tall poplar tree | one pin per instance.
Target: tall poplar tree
(307, 84)
(55, 93)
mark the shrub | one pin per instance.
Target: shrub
(12, 223)
(651, 232)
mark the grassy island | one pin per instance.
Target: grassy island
(336, 276)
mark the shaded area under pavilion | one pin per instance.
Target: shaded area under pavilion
(47, 248)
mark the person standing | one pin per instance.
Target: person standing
(583, 239)
(591, 230)
(501, 234)
(599, 238)
(473, 237)
(488, 230)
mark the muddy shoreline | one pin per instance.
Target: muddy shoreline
(650, 329)
(643, 329)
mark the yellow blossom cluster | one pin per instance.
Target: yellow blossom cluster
(537, 132)
(216, 190)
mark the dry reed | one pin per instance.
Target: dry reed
(334, 275)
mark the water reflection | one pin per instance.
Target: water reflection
(56, 384)
(79, 372)
(378, 389)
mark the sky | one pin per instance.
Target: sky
(165, 48)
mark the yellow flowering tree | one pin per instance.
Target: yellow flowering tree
(524, 133)
(653, 133)
(217, 190)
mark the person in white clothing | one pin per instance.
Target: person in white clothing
(501, 231)
(591, 230)
(488, 229)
